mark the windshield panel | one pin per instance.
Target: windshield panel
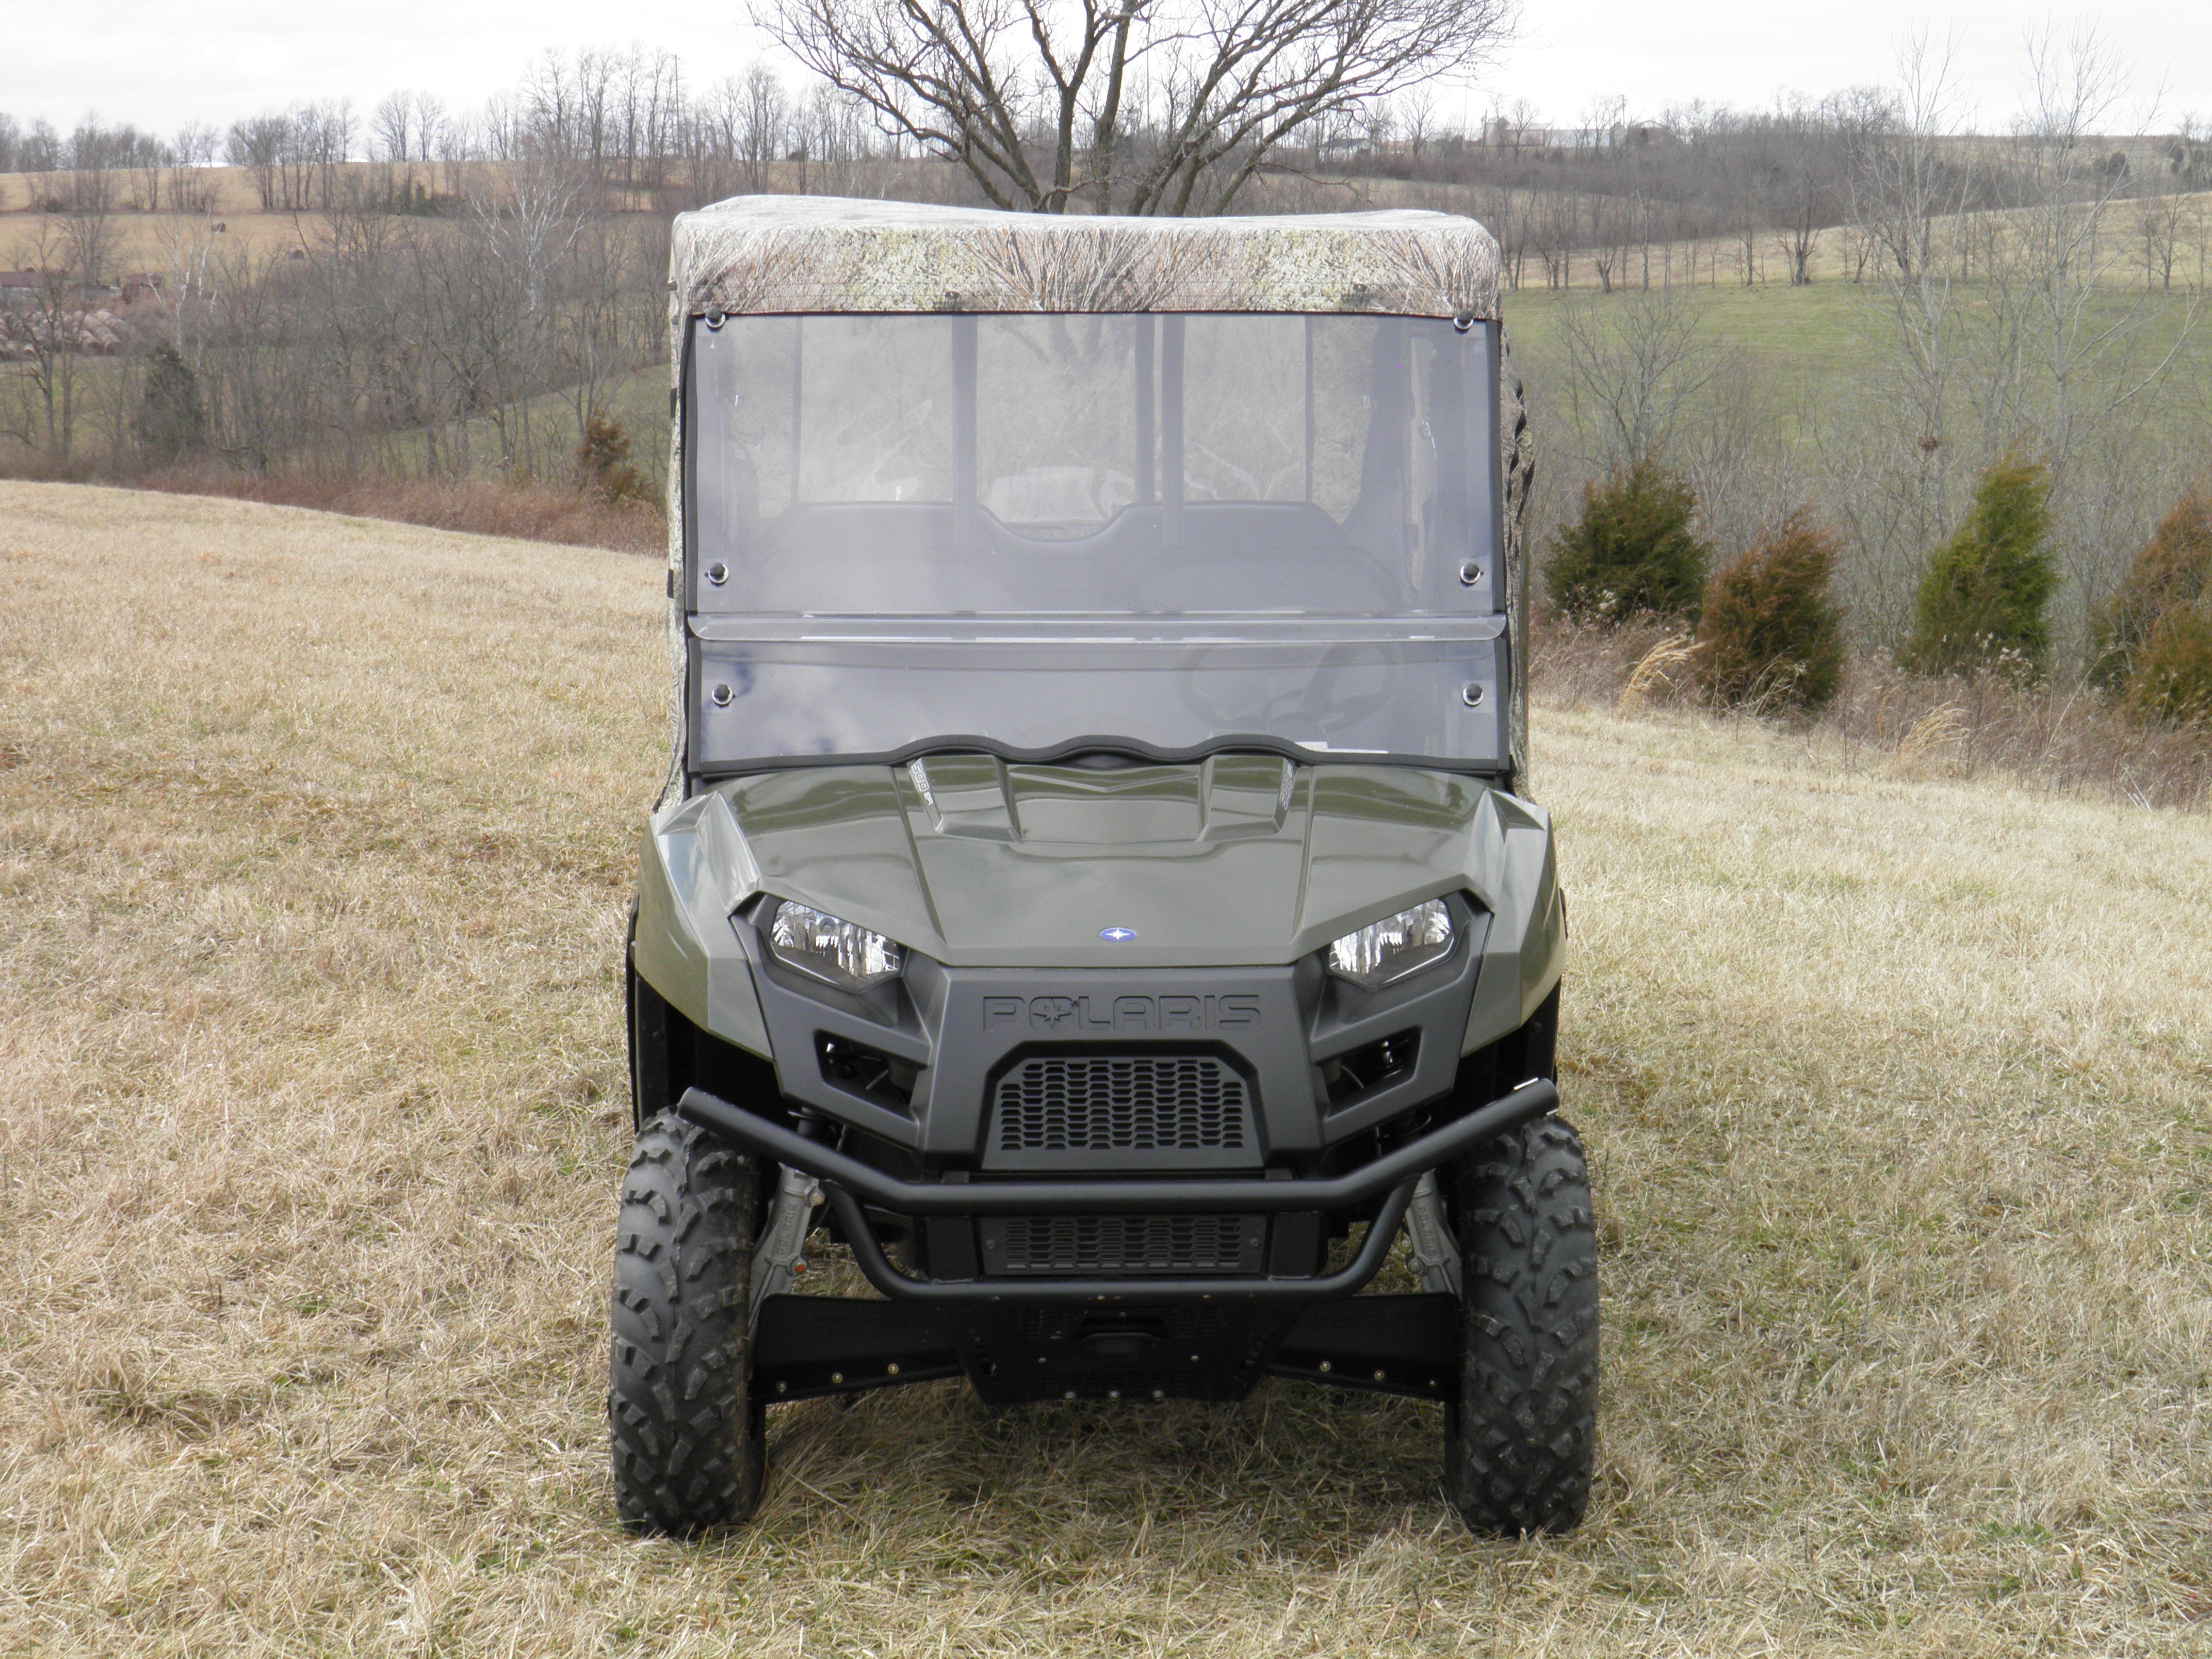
(1428, 701)
(1102, 464)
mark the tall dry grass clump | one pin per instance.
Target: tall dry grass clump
(316, 841)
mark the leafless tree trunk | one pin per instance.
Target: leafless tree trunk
(1166, 108)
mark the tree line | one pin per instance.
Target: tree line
(482, 296)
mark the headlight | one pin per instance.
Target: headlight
(1385, 951)
(843, 953)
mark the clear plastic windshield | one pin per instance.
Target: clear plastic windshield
(1173, 533)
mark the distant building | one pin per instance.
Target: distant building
(1498, 133)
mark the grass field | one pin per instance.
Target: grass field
(315, 842)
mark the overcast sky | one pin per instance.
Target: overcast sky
(160, 64)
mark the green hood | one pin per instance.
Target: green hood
(1240, 859)
(1244, 861)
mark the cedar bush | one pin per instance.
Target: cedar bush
(1632, 552)
(170, 420)
(1770, 633)
(1981, 604)
(2173, 570)
(2173, 675)
(602, 467)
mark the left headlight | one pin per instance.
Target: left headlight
(1389, 949)
(843, 953)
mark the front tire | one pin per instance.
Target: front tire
(1521, 1437)
(687, 1430)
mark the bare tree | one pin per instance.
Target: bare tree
(258, 145)
(1143, 106)
(1417, 119)
(1633, 366)
(764, 122)
(392, 128)
(46, 336)
(189, 190)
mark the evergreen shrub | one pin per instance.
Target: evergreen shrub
(2171, 571)
(602, 463)
(1632, 553)
(1770, 634)
(170, 420)
(1981, 604)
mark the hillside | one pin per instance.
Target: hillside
(315, 843)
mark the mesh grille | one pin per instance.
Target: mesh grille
(1117, 1103)
(1124, 1243)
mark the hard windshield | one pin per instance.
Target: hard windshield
(1100, 465)
(1170, 535)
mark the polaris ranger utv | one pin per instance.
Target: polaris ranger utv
(1093, 882)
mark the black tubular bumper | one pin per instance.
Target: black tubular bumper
(847, 1183)
(1119, 1197)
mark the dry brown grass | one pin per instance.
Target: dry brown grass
(2060, 736)
(318, 836)
(477, 506)
(482, 506)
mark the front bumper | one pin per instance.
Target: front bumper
(1121, 1338)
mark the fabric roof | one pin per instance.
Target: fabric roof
(754, 254)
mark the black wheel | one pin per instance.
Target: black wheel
(687, 1430)
(1521, 1436)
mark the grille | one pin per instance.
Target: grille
(1122, 1104)
(1124, 1244)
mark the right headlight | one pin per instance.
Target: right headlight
(840, 953)
(1398, 946)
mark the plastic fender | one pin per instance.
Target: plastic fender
(694, 869)
(1511, 870)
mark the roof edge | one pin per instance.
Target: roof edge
(813, 254)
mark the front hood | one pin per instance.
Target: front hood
(1239, 860)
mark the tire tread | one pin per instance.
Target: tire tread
(686, 1434)
(1521, 1437)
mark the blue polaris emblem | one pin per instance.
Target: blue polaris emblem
(1117, 935)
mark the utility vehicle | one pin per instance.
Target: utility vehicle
(1096, 882)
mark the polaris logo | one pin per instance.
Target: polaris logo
(1105, 1016)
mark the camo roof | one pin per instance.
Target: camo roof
(810, 254)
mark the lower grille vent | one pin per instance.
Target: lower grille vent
(1124, 1244)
